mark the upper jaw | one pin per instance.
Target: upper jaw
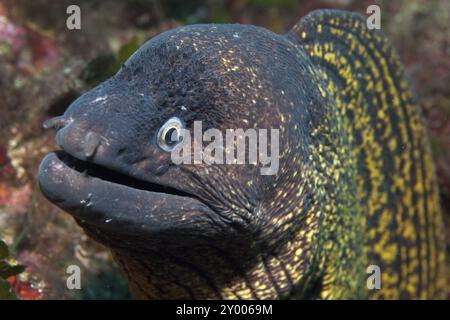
(117, 207)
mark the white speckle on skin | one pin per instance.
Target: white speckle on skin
(105, 140)
(183, 108)
(108, 220)
(102, 98)
(57, 165)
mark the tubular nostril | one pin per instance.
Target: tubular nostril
(56, 122)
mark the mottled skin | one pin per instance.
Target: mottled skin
(355, 187)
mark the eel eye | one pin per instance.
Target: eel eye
(170, 134)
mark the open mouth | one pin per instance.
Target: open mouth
(117, 202)
(95, 171)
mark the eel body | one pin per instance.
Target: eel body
(355, 186)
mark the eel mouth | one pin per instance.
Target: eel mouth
(108, 199)
(92, 170)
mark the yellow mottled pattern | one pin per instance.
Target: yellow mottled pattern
(402, 226)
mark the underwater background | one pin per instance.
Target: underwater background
(44, 67)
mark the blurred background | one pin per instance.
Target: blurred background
(44, 67)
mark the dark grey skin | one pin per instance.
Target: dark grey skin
(197, 231)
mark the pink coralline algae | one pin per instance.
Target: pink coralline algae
(22, 39)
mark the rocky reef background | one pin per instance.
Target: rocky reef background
(44, 67)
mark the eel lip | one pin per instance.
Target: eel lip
(111, 201)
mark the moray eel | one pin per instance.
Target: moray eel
(355, 186)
